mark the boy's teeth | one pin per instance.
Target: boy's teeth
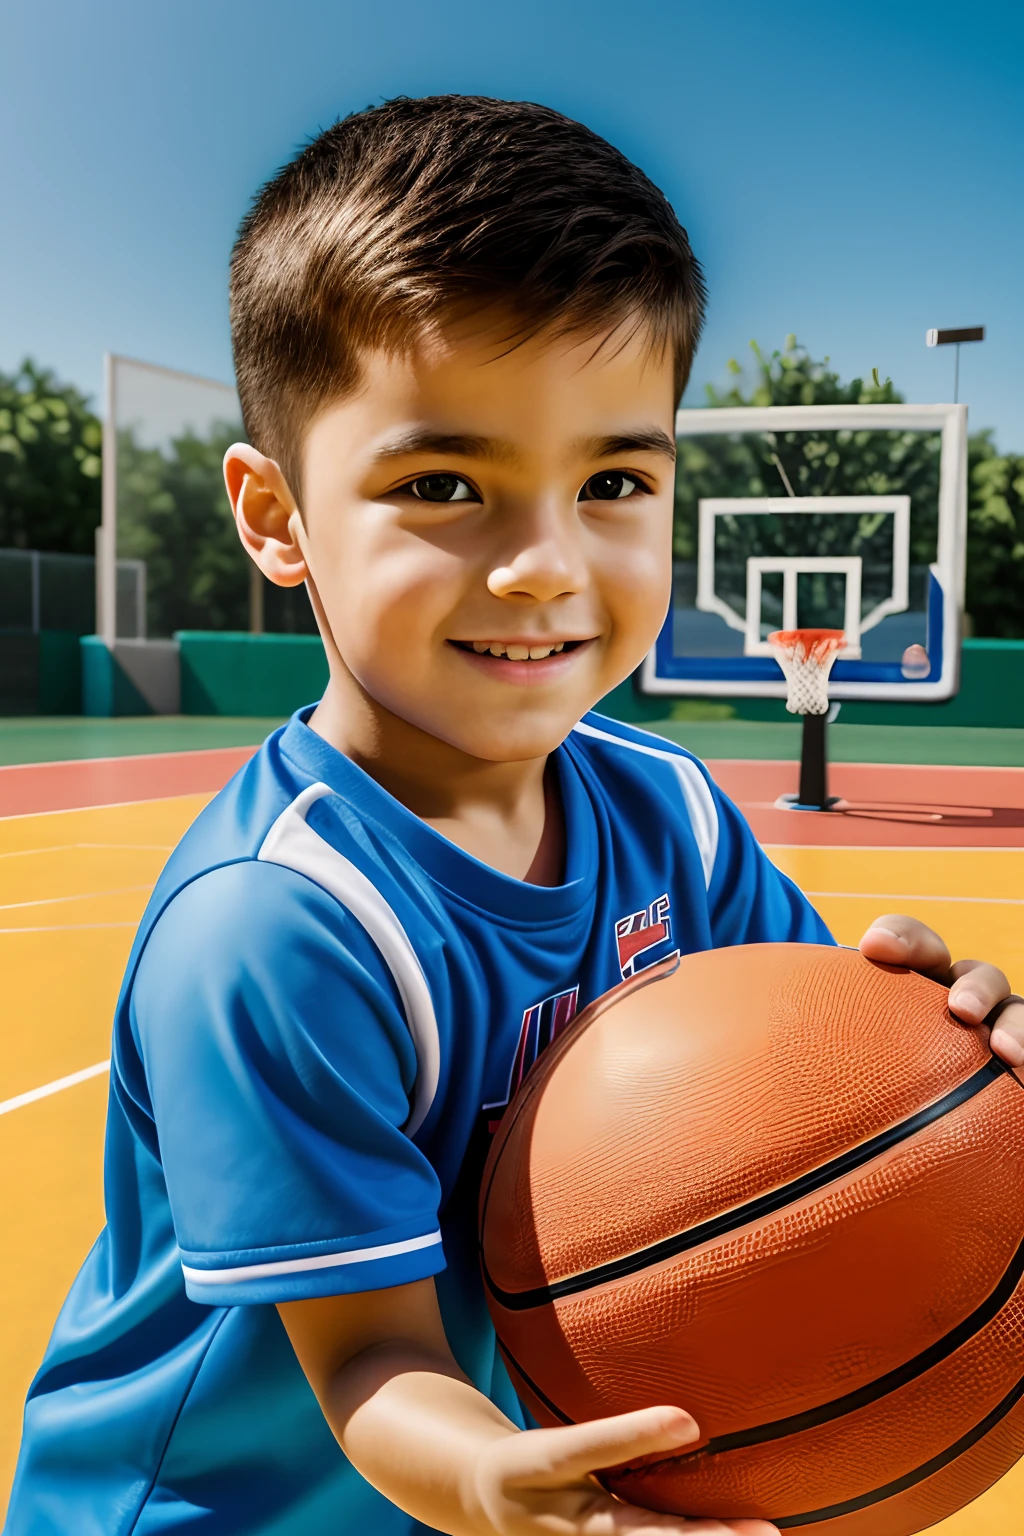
(516, 652)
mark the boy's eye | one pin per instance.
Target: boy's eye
(441, 488)
(612, 485)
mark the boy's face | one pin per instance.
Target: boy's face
(490, 536)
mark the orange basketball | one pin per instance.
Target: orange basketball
(782, 1188)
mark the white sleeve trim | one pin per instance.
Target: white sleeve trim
(697, 797)
(292, 843)
(243, 1272)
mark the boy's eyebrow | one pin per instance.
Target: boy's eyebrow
(469, 446)
(462, 444)
(643, 440)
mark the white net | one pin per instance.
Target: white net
(806, 657)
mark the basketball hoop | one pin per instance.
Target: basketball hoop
(806, 657)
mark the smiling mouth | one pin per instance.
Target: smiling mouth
(538, 650)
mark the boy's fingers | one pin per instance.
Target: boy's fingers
(977, 988)
(1007, 1038)
(555, 1457)
(895, 939)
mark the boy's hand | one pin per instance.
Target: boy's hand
(978, 993)
(411, 1423)
(540, 1482)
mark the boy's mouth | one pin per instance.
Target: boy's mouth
(522, 662)
(535, 650)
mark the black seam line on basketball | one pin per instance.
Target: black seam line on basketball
(903, 1374)
(538, 1394)
(754, 1210)
(909, 1479)
(840, 1406)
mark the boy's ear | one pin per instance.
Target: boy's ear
(268, 520)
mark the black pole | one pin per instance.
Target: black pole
(813, 793)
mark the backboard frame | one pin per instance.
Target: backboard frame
(107, 561)
(665, 673)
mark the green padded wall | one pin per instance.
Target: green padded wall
(239, 674)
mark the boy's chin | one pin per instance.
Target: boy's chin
(508, 740)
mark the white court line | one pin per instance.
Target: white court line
(68, 927)
(108, 805)
(51, 901)
(146, 847)
(984, 901)
(57, 1086)
(929, 848)
(24, 853)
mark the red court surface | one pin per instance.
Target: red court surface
(881, 804)
(82, 843)
(29, 788)
(892, 805)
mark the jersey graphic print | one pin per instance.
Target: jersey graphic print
(541, 1024)
(643, 937)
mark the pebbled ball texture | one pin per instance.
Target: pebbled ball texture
(782, 1188)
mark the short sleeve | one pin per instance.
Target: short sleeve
(279, 1067)
(749, 900)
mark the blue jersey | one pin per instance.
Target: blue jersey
(326, 1009)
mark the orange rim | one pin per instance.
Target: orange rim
(815, 642)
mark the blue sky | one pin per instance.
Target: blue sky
(853, 172)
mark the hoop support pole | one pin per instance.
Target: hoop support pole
(813, 792)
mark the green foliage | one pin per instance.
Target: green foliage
(49, 464)
(791, 377)
(995, 540)
(173, 514)
(856, 463)
(782, 464)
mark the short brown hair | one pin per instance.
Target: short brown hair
(394, 217)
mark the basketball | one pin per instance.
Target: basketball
(782, 1188)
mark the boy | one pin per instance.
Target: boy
(461, 328)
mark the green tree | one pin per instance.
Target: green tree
(855, 463)
(49, 464)
(995, 540)
(822, 463)
(173, 514)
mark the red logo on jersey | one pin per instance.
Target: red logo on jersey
(641, 932)
(541, 1024)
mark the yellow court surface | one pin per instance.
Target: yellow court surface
(73, 885)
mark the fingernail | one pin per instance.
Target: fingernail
(1008, 1047)
(965, 1001)
(889, 932)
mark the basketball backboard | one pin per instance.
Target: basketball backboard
(830, 516)
(163, 495)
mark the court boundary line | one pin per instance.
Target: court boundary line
(53, 901)
(897, 847)
(24, 853)
(142, 757)
(109, 805)
(33, 1095)
(990, 901)
(844, 762)
(70, 927)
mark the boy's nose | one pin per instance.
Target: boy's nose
(540, 574)
(547, 565)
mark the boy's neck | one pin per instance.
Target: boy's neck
(507, 814)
